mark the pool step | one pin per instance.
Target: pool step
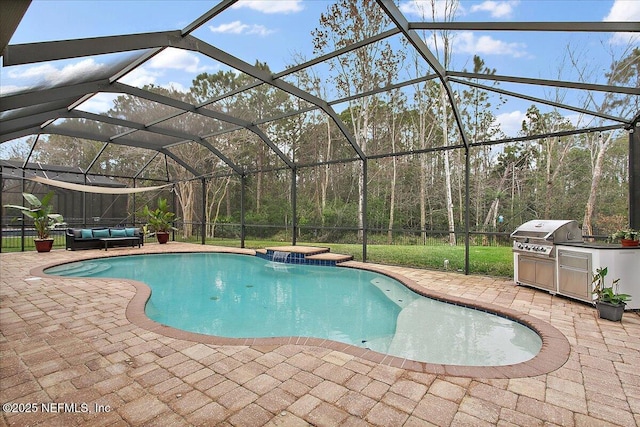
(302, 255)
(79, 269)
(328, 256)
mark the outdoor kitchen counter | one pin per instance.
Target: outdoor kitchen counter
(596, 245)
(623, 263)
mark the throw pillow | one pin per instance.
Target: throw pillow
(101, 233)
(118, 232)
(130, 232)
(86, 233)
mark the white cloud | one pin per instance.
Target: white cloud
(9, 89)
(163, 66)
(54, 76)
(497, 9)
(99, 103)
(511, 123)
(468, 42)
(140, 76)
(177, 59)
(82, 68)
(624, 10)
(237, 27)
(39, 71)
(266, 6)
(487, 45)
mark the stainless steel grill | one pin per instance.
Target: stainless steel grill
(538, 237)
(534, 250)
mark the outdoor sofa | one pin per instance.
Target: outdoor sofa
(102, 237)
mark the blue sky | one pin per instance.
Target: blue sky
(277, 31)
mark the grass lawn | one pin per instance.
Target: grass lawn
(485, 260)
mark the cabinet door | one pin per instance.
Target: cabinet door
(546, 274)
(574, 274)
(575, 283)
(526, 270)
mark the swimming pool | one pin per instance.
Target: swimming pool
(242, 296)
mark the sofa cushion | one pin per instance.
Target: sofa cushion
(77, 233)
(118, 232)
(86, 233)
(130, 232)
(101, 233)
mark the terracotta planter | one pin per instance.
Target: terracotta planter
(628, 242)
(610, 311)
(162, 236)
(43, 245)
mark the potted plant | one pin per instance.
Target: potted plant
(628, 237)
(609, 303)
(160, 220)
(44, 220)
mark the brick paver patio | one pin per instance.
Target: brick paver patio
(73, 352)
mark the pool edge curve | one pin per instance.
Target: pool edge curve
(553, 354)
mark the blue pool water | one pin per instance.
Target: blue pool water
(247, 297)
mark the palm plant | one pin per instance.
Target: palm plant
(40, 212)
(160, 219)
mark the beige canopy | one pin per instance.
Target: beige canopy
(94, 188)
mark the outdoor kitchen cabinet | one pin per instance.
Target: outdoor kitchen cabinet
(551, 255)
(537, 272)
(574, 274)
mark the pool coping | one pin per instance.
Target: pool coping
(553, 354)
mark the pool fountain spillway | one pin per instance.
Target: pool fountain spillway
(280, 256)
(309, 255)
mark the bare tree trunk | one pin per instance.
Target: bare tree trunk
(214, 191)
(394, 172)
(602, 144)
(220, 199)
(493, 210)
(258, 187)
(325, 182)
(423, 199)
(185, 193)
(447, 169)
(361, 140)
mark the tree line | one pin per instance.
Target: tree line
(415, 161)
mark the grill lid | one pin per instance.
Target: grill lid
(555, 231)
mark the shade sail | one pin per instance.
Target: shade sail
(95, 189)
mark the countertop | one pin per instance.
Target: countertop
(597, 245)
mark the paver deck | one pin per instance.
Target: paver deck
(69, 350)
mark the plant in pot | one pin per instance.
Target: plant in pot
(44, 220)
(609, 303)
(160, 220)
(628, 237)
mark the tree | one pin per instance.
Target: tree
(481, 124)
(445, 11)
(625, 72)
(359, 71)
(552, 151)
